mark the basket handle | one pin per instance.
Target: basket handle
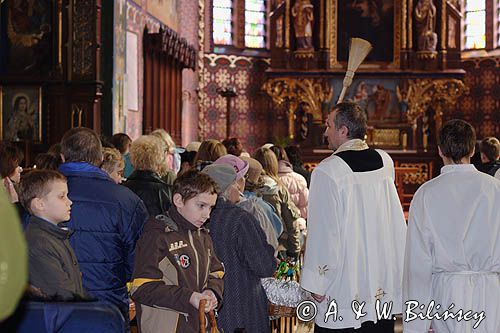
(201, 315)
(203, 320)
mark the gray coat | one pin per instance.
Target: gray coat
(240, 244)
(53, 266)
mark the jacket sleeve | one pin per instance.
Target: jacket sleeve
(303, 195)
(131, 231)
(148, 286)
(253, 250)
(216, 273)
(290, 214)
(47, 273)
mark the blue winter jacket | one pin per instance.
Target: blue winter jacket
(107, 220)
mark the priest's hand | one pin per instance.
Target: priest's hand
(318, 298)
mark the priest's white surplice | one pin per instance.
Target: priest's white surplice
(356, 239)
(453, 250)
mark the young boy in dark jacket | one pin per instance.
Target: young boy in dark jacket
(53, 266)
(175, 264)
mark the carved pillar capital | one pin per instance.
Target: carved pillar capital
(311, 93)
(439, 94)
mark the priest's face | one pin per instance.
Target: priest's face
(335, 138)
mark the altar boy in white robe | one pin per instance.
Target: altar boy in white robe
(356, 231)
(453, 245)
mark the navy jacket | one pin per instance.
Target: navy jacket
(107, 219)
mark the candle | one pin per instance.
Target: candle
(405, 141)
(425, 143)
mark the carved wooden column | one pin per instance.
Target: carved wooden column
(84, 54)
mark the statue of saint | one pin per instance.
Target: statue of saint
(303, 19)
(425, 20)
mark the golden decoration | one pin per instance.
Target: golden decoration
(419, 177)
(426, 55)
(311, 93)
(439, 94)
(410, 24)
(388, 137)
(287, 24)
(304, 54)
(443, 25)
(403, 25)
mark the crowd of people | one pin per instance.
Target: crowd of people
(144, 222)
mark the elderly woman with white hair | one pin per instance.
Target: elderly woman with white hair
(148, 158)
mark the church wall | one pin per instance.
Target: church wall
(252, 117)
(481, 105)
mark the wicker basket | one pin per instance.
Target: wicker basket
(280, 310)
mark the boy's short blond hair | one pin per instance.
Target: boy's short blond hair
(36, 184)
(148, 153)
(112, 160)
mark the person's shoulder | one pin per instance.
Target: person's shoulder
(332, 165)
(39, 240)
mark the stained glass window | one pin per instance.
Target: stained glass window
(223, 22)
(255, 23)
(475, 24)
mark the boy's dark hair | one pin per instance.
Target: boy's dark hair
(352, 116)
(188, 156)
(82, 144)
(490, 147)
(10, 158)
(35, 184)
(193, 182)
(121, 141)
(233, 146)
(106, 142)
(457, 139)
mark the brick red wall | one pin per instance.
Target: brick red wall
(251, 111)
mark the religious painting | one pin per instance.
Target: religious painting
(377, 21)
(165, 11)
(380, 98)
(372, 20)
(20, 113)
(28, 36)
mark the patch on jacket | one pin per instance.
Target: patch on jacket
(184, 261)
(177, 246)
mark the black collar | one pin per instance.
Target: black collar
(145, 175)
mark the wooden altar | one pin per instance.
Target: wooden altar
(408, 82)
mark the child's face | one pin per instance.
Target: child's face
(197, 209)
(55, 206)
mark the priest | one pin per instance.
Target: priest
(353, 262)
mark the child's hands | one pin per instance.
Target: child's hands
(212, 305)
(195, 299)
